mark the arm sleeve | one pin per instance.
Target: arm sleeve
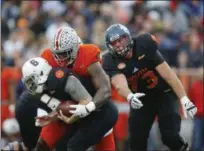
(158, 58)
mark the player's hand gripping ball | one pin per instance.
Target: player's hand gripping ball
(64, 107)
(64, 114)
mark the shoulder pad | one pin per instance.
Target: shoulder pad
(146, 44)
(57, 78)
(109, 62)
(90, 53)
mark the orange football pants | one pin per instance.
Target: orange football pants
(121, 126)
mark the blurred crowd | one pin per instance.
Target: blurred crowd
(27, 27)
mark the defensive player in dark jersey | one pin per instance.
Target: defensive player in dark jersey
(136, 65)
(39, 77)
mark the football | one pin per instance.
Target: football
(64, 107)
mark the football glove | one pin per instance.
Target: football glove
(82, 110)
(189, 109)
(134, 101)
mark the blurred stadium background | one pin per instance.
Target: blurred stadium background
(28, 26)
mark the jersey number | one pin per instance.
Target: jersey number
(34, 62)
(151, 79)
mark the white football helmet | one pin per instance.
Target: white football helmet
(65, 46)
(35, 73)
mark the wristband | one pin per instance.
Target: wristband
(184, 100)
(45, 98)
(130, 96)
(90, 107)
(53, 103)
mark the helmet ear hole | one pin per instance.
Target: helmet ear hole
(41, 73)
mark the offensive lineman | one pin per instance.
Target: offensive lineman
(136, 65)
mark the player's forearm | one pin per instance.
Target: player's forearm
(123, 91)
(176, 85)
(102, 95)
(120, 83)
(171, 78)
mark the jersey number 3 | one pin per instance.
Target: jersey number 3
(151, 79)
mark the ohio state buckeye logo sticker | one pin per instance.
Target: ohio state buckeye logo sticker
(59, 74)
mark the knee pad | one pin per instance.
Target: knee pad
(174, 141)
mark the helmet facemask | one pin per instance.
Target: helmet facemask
(32, 84)
(65, 46)
(35, 74)
(121, 46)
(65, 58)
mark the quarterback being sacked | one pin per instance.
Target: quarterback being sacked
(27, 108)
(136, 65)
(39, 77)
(84, 60)
(35, 71)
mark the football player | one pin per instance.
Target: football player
(30, 106)
(84, 60)
(39, 77)
(27, 108)
(134, 64)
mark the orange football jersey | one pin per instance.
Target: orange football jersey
(87, 54)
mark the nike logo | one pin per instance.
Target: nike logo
(167, 90)
(135, 70)
(52, 92)
(141, 57)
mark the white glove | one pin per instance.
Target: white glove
(189, 109)
(82, 110)
(40, 113)
(135, 103)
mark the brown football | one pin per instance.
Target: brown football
(64, 107)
